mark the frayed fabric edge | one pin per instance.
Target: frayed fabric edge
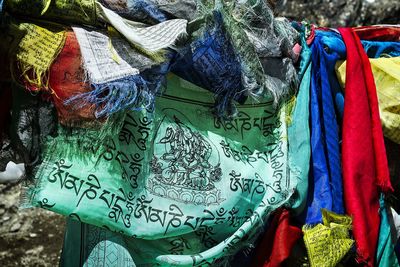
(129, 93)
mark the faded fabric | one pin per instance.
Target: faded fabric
(32, 120)
(36, 52)
(112, 68)
(67, 79)
(239, 50)
(174, 174)
(153, 11)
(152, 38)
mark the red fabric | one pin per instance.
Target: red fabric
(378, 33)
(277, 243)
(364, 159)
(67, 80)
(311, 38)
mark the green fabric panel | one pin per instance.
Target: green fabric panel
(174, 174)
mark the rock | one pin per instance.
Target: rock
(35, 251)
(336, 13)
(15, 227)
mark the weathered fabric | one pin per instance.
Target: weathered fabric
(239, 50)
(36, 52)
(152, 38)
(112, 68)
(153, 11)
(67, 78)
(329, 242)
(114, 65)
(174, 174)
(32, 120)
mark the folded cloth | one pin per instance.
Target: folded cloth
(376, 49)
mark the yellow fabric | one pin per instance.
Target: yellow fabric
(328, 243)
(386, 73)
(36, 51)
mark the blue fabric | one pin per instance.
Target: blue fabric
(325, 185)
(336, 50)
(375, 49)
(131, 92)
(211, 63)
(148, 9)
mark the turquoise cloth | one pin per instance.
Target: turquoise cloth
(180, 187)
(299, 130)
(386, 256)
